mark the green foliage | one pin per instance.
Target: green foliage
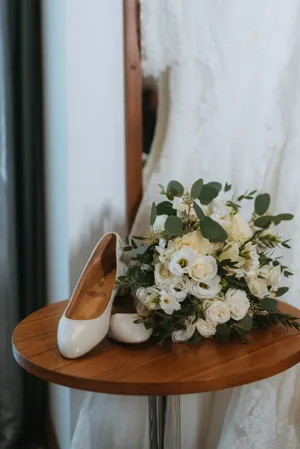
(223, 332)
(199, 212)
(262, 203)
(212, 231)
(208, 194)
(267, 304)
(266, 220)
(175, 188)
(233, 205)
(215, 185)
(173, 226)
(247, 323)
(227, 187)
(153, 214)
(282, 291)
(165, 208)
(196, 188)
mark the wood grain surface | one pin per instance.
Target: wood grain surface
(133, 109)
(148, 369)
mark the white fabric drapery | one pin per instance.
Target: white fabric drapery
(229, 111)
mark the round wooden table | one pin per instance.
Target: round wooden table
(154, 371)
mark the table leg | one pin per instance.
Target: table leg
(173, 423)
(164, 414)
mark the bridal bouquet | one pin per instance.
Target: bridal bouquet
(203, 270)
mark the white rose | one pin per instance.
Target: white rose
(206, 328)
(239, 229)
(216, 311)
(179, 289)
(141, 294)
(257, 286)
(141, 309)
(194, 240)
(231, 252)
(163, 277)
(182, 260)
(204, 269)
(168, 302)
(185, 334)
(201, 290)
(250, 260)
(148, 296)
(238, 303)
(265, 270)
(274, 277)
(159, 224)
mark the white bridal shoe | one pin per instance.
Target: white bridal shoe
(85, 322)
(124, 329)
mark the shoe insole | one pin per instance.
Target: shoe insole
(92, 301)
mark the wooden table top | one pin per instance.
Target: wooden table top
(148, 369)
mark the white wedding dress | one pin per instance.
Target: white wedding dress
(229, 111)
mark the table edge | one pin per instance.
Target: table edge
(132, 389)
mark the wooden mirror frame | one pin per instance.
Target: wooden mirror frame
(133, 108)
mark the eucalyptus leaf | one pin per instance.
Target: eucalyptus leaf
(212, 231)
(262, 203)
(175, 188)
(267, 304)
(127, 248)
(140, 249)
(196, 188)
(223, 332)
(285, 217)
(281, 291)
(215, 185)
(153, 214)
(208, 194)
(199, 212)
(263, 222)
(173, 226)
(247, 323)
(165, 208)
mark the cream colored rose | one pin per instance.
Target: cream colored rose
(141, 309)
(216, 311)
(257, 286)
(231, 252)
(163, 277)
(194, 240)
(274, 277)
(249, 260)
(238, 303)
(239, 230)
(149, 296)
(180, 288)
(206, 328)
(201, 290)
(159, 224)
(204, 269)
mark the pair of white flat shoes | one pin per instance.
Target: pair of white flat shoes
(88, 317)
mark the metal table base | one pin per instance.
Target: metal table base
(164, 422)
